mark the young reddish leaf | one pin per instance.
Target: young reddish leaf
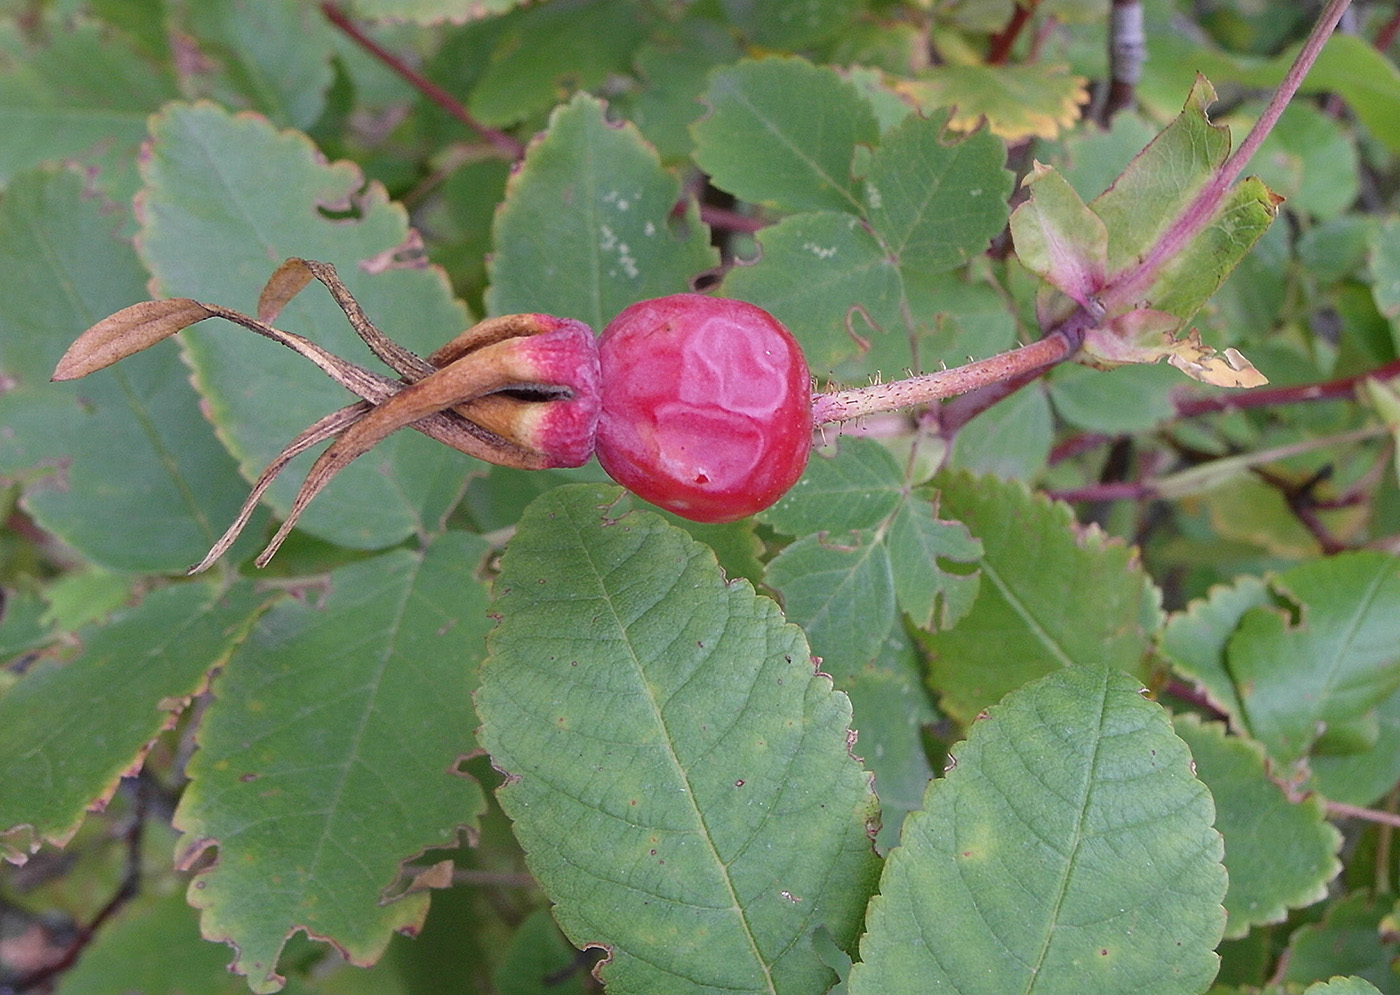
(677, 772)
(1146, 336)
(328, 757)
(126, 333)
(69, 731)
(1058, 238)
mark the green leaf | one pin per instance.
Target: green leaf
(890, 708)
(921, 547)
(1384, 244)
(1280, 853)
(1054, 594)
(549, 49)
(539, 961)
(829, 280)
(1310, 159)
(1342, 986)
(869, 541)
(1299, 677)
(122, 466)
(1011, 439)
(1114, 402)
(1369, 82)
(678, 774)
(85, 95)
(1067, 849)
(791, 24)
(857, 486)
(1363, 778)
(1346, 941)
(329, 756)
(216, 234)
(933, 201)
(275, 55)
(840, 589)
(70, 731)
(1194, 640)
(584, 229)
(675, 72)
(1036, 99)
(782, 132)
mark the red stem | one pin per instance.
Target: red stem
(508, 147)
(1003, 41)
(727, 220)
(1386, 36)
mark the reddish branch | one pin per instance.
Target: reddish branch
(999, 49)
(1386, 36)
(508, 147)
(127, 889)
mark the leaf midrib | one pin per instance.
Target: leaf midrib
(1086, 795)
(681, 772)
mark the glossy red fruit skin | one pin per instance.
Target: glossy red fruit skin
(706, 406)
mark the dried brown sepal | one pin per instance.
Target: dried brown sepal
(476, 374)
(126, 333)
(489, 331)
(325, 428)
(288, 280)
(518, 390)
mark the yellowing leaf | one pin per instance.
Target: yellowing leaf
(1016, 101)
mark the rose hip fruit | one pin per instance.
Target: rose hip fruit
(706, 406)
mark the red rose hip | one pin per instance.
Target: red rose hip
(706, 406)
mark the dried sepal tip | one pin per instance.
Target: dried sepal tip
(288, 280)
(126, 333)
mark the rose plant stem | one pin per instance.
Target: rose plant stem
(505, 145)
(1121, 293)
(847, 404)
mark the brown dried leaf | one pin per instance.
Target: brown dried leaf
(127, 332)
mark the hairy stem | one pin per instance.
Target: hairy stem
(847, 404)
